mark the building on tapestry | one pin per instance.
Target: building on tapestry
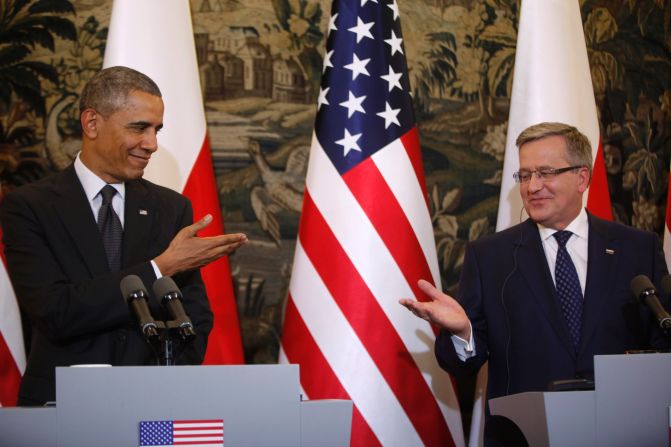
(234, 64)
(212, 75)
(234, 78)
(258, 64)
(290, 81)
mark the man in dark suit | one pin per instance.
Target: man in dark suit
(65, 272)
(540, 299)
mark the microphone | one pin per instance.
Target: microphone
(135, 294)
(167, 291)
(643, 289)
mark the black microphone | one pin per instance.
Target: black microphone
(135, 294)
(167, 291)
(643, 289)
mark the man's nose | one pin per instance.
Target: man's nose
(150, 141)
(535, 183)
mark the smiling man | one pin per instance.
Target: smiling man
(540, 299)
(70, 239)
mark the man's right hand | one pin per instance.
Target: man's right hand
(442, 310)
(187, 251)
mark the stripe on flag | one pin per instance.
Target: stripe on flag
(12, 353)
(365, 239)
(165, 51)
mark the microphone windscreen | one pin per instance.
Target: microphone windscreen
(165, 285)
(640, 284)
(666, 285)
(131, 284)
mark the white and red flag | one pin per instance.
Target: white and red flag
(12, 353)
(552, 82)
(155, 37)
(365, 239)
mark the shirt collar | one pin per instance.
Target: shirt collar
(91, 183)
(578, 226)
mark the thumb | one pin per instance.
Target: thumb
(429, 290)
(199, 225)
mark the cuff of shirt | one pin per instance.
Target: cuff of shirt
(157, 272)
(465, 349)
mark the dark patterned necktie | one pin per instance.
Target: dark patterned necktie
(110, 228)
(568, 288)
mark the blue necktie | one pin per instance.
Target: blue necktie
(568, 288)
(110, 228)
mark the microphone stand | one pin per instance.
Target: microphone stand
(171, 342)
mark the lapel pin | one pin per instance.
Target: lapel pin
(143, 212)
(610, 251)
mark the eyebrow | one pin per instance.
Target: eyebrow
(144, 125)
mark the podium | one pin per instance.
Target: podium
(629, 406)
(260, 406)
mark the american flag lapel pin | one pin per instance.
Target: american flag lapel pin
(143, 212)
(610, 251)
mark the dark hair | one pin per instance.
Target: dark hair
(108, 90)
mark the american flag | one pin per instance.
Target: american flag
(365, 239)
(192, 433)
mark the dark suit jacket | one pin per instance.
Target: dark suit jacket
(59, 271)
(508, 293)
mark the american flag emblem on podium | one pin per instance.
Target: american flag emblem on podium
(194, 433)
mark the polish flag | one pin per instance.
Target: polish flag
(155, 37)
(12, 353)
(552, 82)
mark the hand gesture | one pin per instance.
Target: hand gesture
(442, 310)
(187, 251)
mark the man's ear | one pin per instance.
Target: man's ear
(584, 178)
(90, 120)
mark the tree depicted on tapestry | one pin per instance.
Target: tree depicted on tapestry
(25, 25)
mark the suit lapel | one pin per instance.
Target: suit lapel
(74, 210)
(139, 214)
(602, 250)
(534, 268)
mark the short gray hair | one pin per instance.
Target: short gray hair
(579, 150)
(107, 91)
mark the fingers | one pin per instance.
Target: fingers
(225, 241)
(195, 227)
(408, 304)
(429, 290)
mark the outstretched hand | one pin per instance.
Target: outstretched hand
(187, 251)
(442, 310)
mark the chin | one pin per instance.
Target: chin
(136, 173)
(536, 216)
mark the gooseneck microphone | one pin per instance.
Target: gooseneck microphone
(645, 291)
(167, 291)
(135, 294)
